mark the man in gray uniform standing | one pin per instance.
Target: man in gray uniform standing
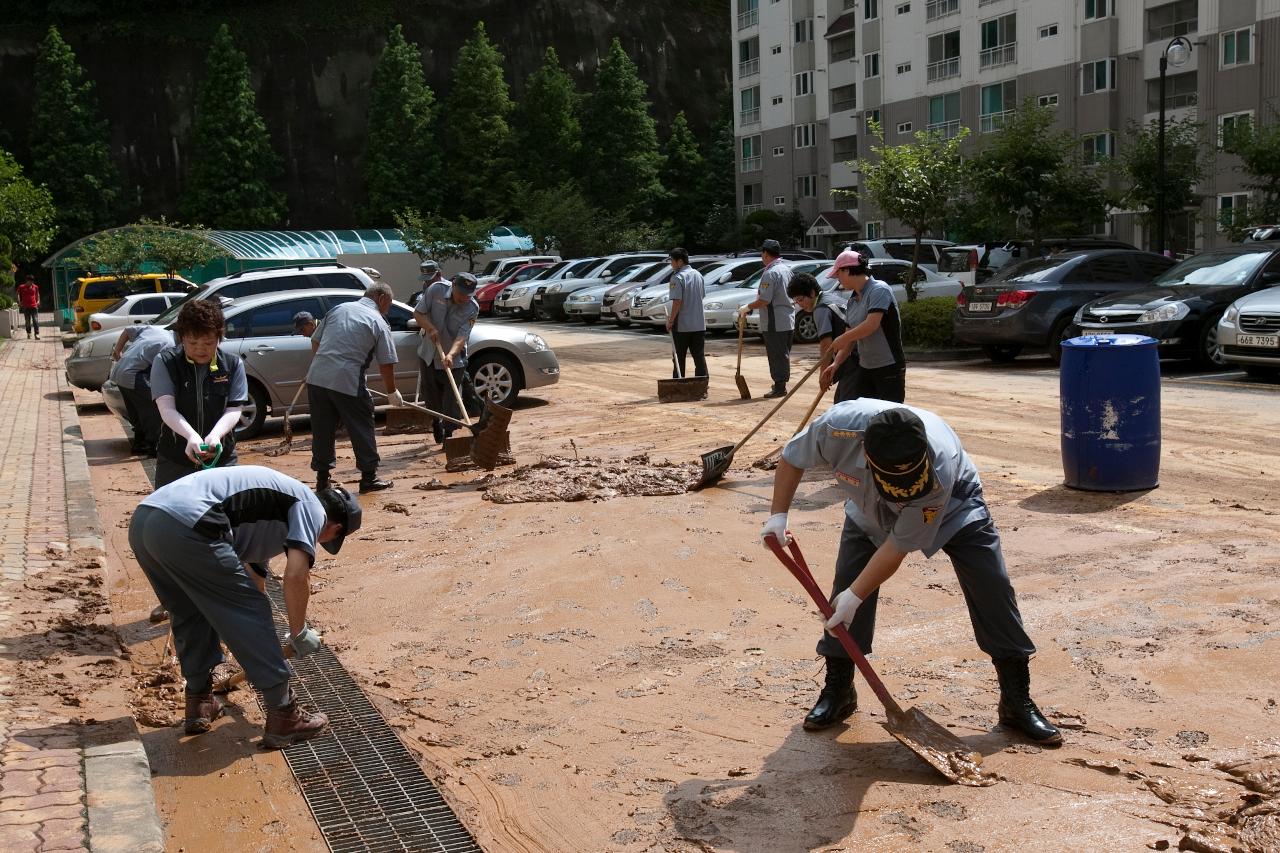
(136, 349)
(685, 320)
(446, 313)
(191, 539)
(776, 322)
(909, 487)
(350, 337)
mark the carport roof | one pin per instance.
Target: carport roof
(324, 245)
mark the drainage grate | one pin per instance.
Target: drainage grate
(363, 785)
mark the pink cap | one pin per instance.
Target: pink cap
(848, 258)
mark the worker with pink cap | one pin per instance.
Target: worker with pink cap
(874, 330)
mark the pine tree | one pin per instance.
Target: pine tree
(683, 173)
(477, 132)
(619, 140)
(232, 162)
(548, 128)
(401, 159)
(720, 221)
(69, 143)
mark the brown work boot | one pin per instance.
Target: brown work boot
(292, 724)
(202, 710)
(158, 614)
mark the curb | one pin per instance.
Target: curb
(117, 776)
(964, 354)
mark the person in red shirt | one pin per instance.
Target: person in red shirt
(29, 301)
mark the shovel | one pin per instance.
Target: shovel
(682, 389)
(770, 461)
(490, 436)
(743, 390)
(716, 462)
(287, 445)
(939, 748)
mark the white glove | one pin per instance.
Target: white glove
(194, 453)
(306, 641)
(744, 311)
(845, 606)
(396, 399)
(776, 526)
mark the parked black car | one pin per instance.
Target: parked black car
(1033, 303)
(1182, 308)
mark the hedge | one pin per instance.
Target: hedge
(927, 322)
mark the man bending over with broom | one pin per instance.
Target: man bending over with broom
(910, 487)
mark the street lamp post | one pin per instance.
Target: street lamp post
(1175, 53)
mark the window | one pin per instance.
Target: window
(1232, 121)
(804, 83)
(871, 65)
(275, 320)
(804, 30)
(1095, 9)
(944, 56)
(1233, 209)
(870, 9)
(1172, 19)
(944, 114)
(779, 201)
(872, 116)
(903, 8)
(749, 106)
(1096, 147)
(997, 101)
(1237, 47)
(807, 186)
(1179, 91)
(748, 13)
(842, 48)
(1149, 267)
(999, 41)
(904, 68)
(752, 198)
(779, 150)
(777, 99)
(844, 148)
(324, 279)
(1049, 31)
(844, 198)
(904, 127)
(935, 9)
(1108, 269)
(151, 305)
(751, 154)
(776, 49)
(844, 98)
(872, 230)
(1047, 100)
(1097, 76)
(806, 135)
(749, 57)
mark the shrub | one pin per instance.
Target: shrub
(927, 322)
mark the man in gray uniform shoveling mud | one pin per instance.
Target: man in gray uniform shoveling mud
(909, 487)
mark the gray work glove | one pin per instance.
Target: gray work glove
(306, 641)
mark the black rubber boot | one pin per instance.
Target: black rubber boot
(371, 483)
(837, 700)
(1017, 711)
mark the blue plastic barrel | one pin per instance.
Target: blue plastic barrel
(1110, 386)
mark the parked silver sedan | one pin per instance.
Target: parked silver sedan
(503, 360)
(1249, 333)
(587, 304)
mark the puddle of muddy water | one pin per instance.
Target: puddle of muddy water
(557, 479)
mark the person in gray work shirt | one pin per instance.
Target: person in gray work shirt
(875, 328)
(776, 323)
(909, 486)
(191, 540)
(446, 313)
(828, 310)
(685, 320)
(135, 351)
(346, 342)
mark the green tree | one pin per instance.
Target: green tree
(232, 163)
(548, 129)
(27, 214)
(119, 252)
(433, 236)
(719, 228)
(477, 132)
(1258, 147)
(69, 143)
(914, 183)
(401, 157)
(1186, 161)
(683, 179)
(561, 218)
(619, 140)
(174, 247)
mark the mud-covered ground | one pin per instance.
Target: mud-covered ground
(629, 673)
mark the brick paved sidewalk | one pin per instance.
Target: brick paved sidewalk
(73, 775)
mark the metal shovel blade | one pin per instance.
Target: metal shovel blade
(715, 464)
(743, 390)
(939, 748)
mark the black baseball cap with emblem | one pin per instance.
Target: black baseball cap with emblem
(340, 506)
(898, 453)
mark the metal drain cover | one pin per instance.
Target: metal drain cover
(362, 784)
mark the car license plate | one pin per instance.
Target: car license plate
(979, 307)
(1272, 341)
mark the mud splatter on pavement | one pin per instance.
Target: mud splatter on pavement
(557, 478)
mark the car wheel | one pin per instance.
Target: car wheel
(1057, 335)
(254, 413)
(590, 319)
(536, 313)
(1002, 353)
(496, 377)
(1210, 353)
(806, 328)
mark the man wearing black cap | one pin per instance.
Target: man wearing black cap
(685, 320)
(446, 313)
(304, 324)
(428, 274)
(909, 487)
(192, 539)
(776, 319)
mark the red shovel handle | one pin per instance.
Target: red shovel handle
(797, 566)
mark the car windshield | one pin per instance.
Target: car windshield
(551, 270)
(580, 268)
(631, 273)
(1218, 269)
(1036, 269)
(172, 314)
(491, 268)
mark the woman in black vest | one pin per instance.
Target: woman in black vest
(828, 310)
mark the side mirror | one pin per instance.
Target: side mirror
(412, 325)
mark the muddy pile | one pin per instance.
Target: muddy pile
(557, 478)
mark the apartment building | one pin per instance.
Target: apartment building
(810, 74)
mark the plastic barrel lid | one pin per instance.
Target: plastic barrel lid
(1110, 341)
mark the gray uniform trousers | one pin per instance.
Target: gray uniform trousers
(209, 596)
(777, 345)
(434, 390)
(975, 554)
(356, 413)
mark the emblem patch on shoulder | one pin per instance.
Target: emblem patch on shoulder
(846, 433)
(930, 513)
(850, 479)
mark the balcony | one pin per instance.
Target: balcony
(750, 68)
(751, 164)
(994, 57)
(935, 9)
(748, 209)
(944, 69)
(747, 117)
(749, 18)
(948, 129)
(993, 122)
(844, 104)
(1168, 31)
